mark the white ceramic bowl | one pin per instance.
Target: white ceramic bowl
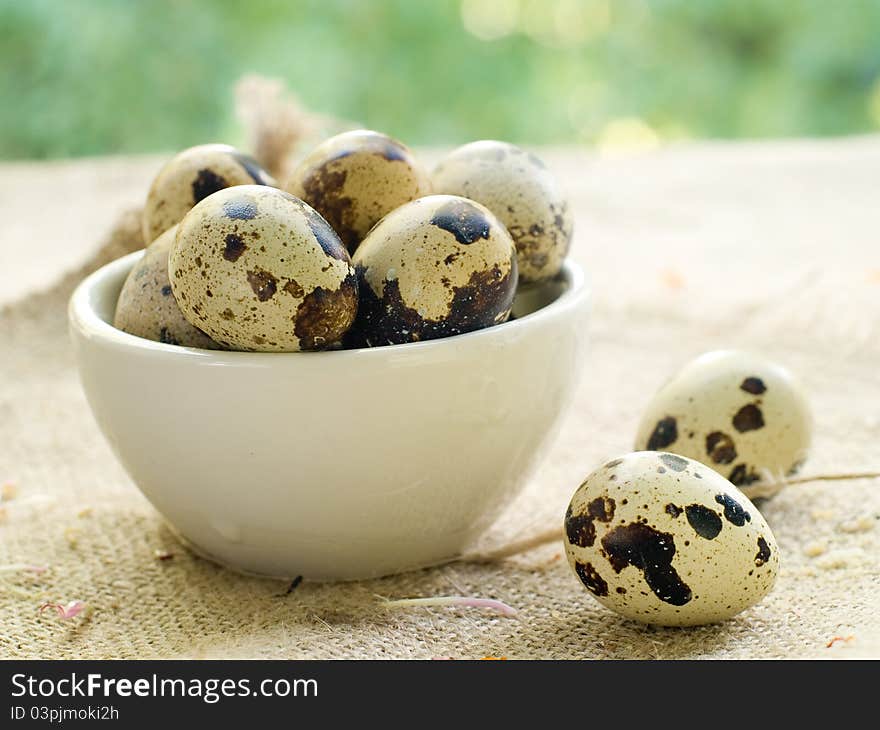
(333, 465)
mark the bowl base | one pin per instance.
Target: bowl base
(190, 546)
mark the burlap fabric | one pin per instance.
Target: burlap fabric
(773, 247)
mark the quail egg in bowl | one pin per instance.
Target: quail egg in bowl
(333, 465)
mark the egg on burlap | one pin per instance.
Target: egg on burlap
(737, 412)
(665, 540)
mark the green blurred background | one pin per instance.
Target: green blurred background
(88, 77)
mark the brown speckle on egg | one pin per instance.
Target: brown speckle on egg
(720, 447)
(591, 579)
(651, 551)
(235, 247)
(734, 512)
(763, 554)
(466, 222)
(753, 385)
(742, 476)
(705, 521)
(323, 313)
(748, 418)
(665, 434)
(580, 529)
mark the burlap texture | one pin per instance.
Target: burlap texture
(772, 247)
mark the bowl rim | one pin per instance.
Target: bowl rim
(83, 318)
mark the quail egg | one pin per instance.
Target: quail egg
(355, 178)
(258, 269)
(191, 176)
(665, 540)
(736, 412)
(518, 188)
(438, 266)
(147, 307)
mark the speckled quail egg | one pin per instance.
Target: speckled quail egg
(355, 178)
(665, 540)
(258, 269)
(191, 176)
(146, 306)
(518, 188)
(734, 411)
(437, 266)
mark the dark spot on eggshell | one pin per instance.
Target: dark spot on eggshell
(673, 509)
(329, 242)
(323, 191)
(763, 554)
(207, 182)
(293, 288)
(495, 153)
(536, 161)
(166, 337)
(263, 283)
(753, 385)
(741, 475)
(665, 434)
(602, 509)
(579, 529)
(612, 464)
(324, 315)
(620, 589)
(720, 447)
(252, 168)
(676, 463)
(748, 418)
(386, 147)
(706, 522)
(734, 512)
(227, 314)
(484, 301)
(463, 220)
(166, 290)
(651, 551)
(242, 208)
(591, 579)
(235, 247)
